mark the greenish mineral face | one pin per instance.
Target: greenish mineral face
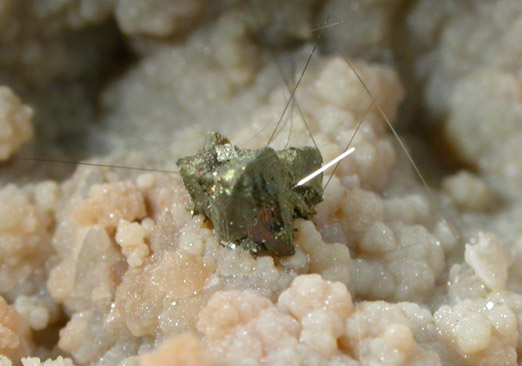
(251, 195)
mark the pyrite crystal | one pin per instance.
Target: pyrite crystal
(250, 195)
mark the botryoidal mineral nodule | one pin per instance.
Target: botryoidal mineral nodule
(251, 196)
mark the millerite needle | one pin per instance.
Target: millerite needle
(325, 167)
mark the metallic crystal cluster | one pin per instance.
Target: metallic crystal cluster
(251, 196)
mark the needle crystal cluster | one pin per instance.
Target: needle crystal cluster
(252, 196)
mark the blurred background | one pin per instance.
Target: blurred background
(106, 74)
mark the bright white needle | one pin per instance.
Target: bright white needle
(324, 167)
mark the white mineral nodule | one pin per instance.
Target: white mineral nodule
(490, 261)
(15, 123)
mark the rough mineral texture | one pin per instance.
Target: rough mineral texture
(103, 264)
(459, 63)
(15, 123)
(15, 338)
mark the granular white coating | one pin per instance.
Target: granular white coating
(483, 332)
(35, 361)
(315, 322)
(25, 233)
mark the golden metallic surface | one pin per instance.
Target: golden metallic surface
(251, 195)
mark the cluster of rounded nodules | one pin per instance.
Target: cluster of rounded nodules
(378, 274)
